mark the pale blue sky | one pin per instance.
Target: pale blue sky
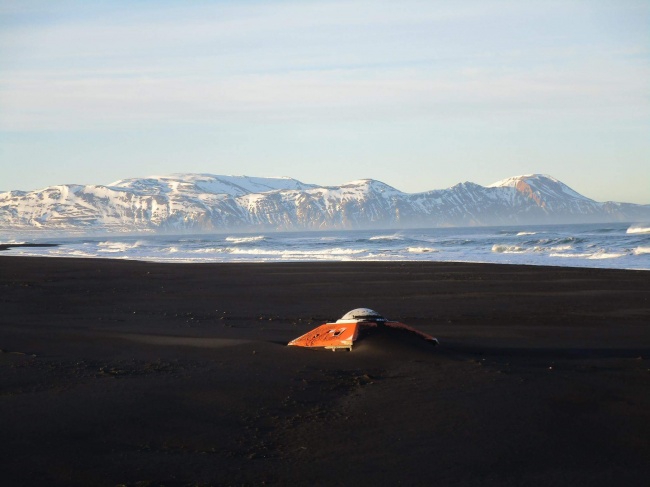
(418, 94)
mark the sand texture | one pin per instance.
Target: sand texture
(130, 373)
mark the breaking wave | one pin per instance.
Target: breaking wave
(396, 236)
(241, 240)
(421, 250)
(625, 246)
(274, 255)
(638, 229)
(211, 250)
(602, 254)
(560, 248)
(570, 256)
(597, 255)
(641, 250)
(508, 249)
(78, 253)
(116, 247)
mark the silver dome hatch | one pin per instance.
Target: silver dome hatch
(361, 314)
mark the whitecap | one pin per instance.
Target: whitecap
(395, 236)
(80, 253)
(560, 248)
(574, 256)
(521, 234)
(641, 250)
(240, 240)
(643, 228)
(605, 255)
(508, 249)
(284, 254)
(210, 250)
(114, 247)
(420, 250)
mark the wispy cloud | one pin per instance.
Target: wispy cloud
(86, 100)
(331, 69)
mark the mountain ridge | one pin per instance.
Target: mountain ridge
(207, 202)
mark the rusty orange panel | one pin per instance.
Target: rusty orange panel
(329, 335)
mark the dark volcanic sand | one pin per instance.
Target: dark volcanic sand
(116, 372)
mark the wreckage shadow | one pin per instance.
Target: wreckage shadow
(385, 339)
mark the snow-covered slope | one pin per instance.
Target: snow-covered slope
(202, 202)
(207, 183)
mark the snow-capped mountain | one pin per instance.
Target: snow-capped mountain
(204, 202)
(208, 183)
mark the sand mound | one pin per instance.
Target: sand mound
(394, 341)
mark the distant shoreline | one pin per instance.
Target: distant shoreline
(583, 246)
(11, 246)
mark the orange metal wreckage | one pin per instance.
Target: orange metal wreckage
(343, 333)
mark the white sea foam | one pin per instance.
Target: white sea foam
(571, 256)
(80, 253)
(560, 248)
(241, 240)
(211, 250)
(641, 250)
(395, 236)
(296, 253)
(421, 250)
(113, 247)
(508, 249)
(61, 252)
(598, 255)
(578, 245)
(602, 254)
(643, 228)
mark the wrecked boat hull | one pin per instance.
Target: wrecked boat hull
(342, 334)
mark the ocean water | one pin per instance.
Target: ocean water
(621, 246)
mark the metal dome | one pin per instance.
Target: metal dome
(361, 314)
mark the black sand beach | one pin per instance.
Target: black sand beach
(116, 372)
